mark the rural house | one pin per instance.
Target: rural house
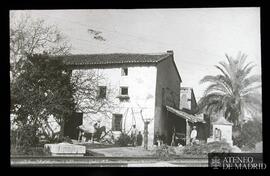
(142, 86)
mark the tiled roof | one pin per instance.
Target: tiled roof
(222, 121)
(115, 58)
(186, 88)
(184, 115)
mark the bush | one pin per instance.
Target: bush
(23, 139)
(63, 139)
(251, 133)
(204, 149)
(123, 140)
(164, 152)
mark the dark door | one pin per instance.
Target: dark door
(71, 125)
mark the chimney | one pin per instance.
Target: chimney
(170, 52)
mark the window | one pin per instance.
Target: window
(124, 71)
(123, 94)
(123, 90)
(102, 92)
(117, 122)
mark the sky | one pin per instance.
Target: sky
(199, 37)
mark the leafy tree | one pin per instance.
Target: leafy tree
(29, 99)
(234, 91)
(41, 86)
(42, 90)
(46, 89)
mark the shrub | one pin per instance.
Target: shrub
(251, 133)
(219, 147)
(204, 149)
(23, 139)
(64, 139)
(123, 140)
(164, 152)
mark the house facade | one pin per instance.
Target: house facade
(140, 87)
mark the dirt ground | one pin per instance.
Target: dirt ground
(123, 152)
(112, 150)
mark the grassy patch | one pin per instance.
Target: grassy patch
(31, 151)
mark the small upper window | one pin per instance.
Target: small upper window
(124, 91)
(102, 92)
(124, 71)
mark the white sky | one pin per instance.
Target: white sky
(199, 37)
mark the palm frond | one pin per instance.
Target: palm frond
(251, 80)
(219, 79)
(252, 98)
(227, 68)
(249, 89)
(219, 88)
(248, 66)
(223, 71)
(241, 58)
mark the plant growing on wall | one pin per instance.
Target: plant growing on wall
(87, 95)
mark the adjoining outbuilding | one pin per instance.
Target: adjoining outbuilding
(186, 118)
(222, 131)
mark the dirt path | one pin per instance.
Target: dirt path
(124, 152)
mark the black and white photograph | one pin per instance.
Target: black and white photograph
(136, 88)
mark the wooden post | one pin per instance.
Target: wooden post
(187, 132)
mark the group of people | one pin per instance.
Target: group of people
(90, 132)
(136, 136)
(175, 138)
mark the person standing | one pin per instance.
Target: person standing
(96, 129)
(97, 126)
(173, 137)
(134, 133)
(139, 139)
(217, 134)
(193, 135)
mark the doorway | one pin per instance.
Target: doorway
(70, 128)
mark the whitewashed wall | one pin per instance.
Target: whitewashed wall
(141, 83)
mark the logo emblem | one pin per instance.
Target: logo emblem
(215, 162)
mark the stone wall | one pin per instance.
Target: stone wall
(188, 101)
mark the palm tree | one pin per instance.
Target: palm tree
(233, 92)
